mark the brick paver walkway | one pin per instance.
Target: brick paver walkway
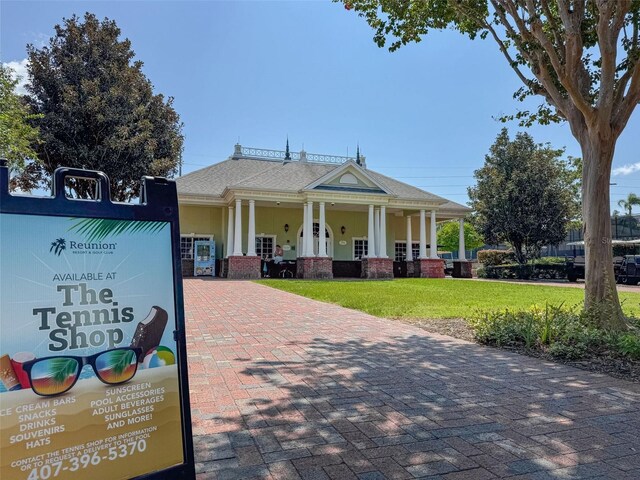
(284, 387)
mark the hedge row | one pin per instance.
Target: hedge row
(524, 272)
(495, 257)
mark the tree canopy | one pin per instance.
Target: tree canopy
(16, 135)
(524, 195)
(581, 57)
(98, 110)
(449, 236)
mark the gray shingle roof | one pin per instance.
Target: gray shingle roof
(285, 177)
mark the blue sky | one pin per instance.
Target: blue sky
(259, 71)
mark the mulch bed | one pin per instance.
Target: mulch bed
(613, 366)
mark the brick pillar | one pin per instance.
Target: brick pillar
(429, 268)
(243, 268)
(377, 268)
(314, 268)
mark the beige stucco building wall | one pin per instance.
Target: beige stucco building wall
(210, 220)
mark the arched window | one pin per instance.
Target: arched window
(316, 231)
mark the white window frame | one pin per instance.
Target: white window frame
(194, 237)
(273, 238)
(415, 251)
(353, 247)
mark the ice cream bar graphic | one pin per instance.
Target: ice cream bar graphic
(149, 331)
(8, 375)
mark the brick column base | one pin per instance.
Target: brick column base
(462, 269)
(314, 268)
(377, 268)
(243, 268)
(429, 268)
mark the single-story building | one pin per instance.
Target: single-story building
(371, 225)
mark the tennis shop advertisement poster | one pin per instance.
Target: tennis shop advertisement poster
(88, 376)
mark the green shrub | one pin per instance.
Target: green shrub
(568, 352)
(549, 261)
(495, 257)
(530, 271)
(629, 345)
(566, 333)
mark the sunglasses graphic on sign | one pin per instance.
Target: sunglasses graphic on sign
(51, 376)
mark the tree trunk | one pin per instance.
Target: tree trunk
(601, 296)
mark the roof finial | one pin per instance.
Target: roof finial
(287, 155)
(358, 154)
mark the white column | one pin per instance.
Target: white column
(237, 236)
(230, 233)
(434, 237)
(303, 243)
(310, 230)
(322, 240)
(423, 235)
(376, 227)
(371, 241)
(251, 235)
(382, 248)
(461, 252)
(409, 241)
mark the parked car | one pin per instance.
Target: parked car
(448, 262)
(575, 268)
(629, 272)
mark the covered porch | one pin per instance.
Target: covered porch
(366, 240)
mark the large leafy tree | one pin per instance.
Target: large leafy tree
(98, 110)
(449, 236)
(524, 195)
(581, 57)
(16, 135)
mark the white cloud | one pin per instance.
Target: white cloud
(627, 169)
(20, 71)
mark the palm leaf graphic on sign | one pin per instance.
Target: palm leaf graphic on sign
(60, 369)
(119, 360)
(96, 229)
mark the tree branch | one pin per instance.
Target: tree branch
(628, 103)
(553, 25)
(537, 63)
(608, 28)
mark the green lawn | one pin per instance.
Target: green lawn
(437, 298)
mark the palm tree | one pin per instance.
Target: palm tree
(628, 203)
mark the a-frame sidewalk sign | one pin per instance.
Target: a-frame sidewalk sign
(93, 360)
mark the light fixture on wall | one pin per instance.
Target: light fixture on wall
(286, 227)
(343, 229)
